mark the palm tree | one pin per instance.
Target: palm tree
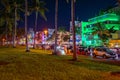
(38, 7)
(14, 37)
(116, 9)
(17, 7)
(20, 32)
(26, 31)
(73, 27)
(17, 4)
(103, 33)
(56, 25)
(61, 31)
(6, 16)
(118, 2)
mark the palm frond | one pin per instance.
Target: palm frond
(112, 30)
(42, 12)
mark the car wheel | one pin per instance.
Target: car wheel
(94, 55)
(113, 58)
(104, 56)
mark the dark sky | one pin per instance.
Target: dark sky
(85, 9)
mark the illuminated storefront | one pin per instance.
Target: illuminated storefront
(109, 21)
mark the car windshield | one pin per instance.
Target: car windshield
(108, 50)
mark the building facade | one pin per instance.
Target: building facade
(77, 32)
(108, 20)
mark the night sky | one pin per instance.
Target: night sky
(85, 9)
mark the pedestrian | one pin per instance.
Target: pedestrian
(91, 52)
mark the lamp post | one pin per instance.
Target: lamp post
(45, 34)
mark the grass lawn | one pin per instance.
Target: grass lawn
(16, 64)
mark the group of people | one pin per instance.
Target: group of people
(84, 50)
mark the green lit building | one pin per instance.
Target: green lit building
(109, 20)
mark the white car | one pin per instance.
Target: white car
(104, 52)
(60, 50)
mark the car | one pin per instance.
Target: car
(104, 52)
(60, 50)
(117, 50)
(82, 50)
(69, 50)
(47, 47)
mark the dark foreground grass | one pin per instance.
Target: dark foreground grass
(16, 64)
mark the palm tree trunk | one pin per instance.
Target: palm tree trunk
(6, 36)
(14, 37)
(34, 46)
(56, 24)
(73, 25)
(26, 32)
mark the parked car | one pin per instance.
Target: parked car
(117, 50)
(82, 50)
(60, 50)
(69, 50)
(104, 52)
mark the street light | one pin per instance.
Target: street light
(45, 32)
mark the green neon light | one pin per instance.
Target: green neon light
(111, 19)
(102, 18)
